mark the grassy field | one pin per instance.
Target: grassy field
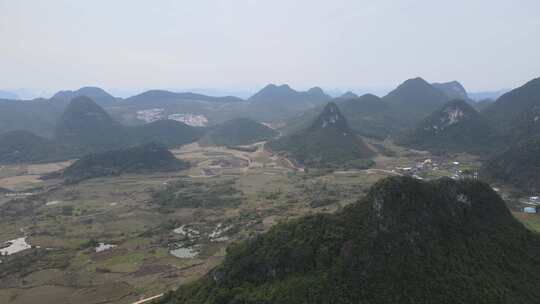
(531, 221)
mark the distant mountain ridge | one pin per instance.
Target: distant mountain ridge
(86, 128)
(274, 93)
(452, 89)
(98, 95)
(279, 102)
(348, 95)
(157, 95)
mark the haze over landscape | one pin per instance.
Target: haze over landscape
(258, 152)
(239, 46)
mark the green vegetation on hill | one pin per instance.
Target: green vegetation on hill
(140, 159)
(238, 132)
(170, 133)
(518, 165)
(375, 117)
(414, 99)
(348, 95)
(516, 114)
(455, 127)
(23, 146)
(367, 115)
(280, 102)
(98, 95)
(161, 96)
(407, 241)
(371, 116)
(86, 128)
(327, 142)
(37, 116)
(452, 89)
(86, 125)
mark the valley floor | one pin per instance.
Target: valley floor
(105, 241)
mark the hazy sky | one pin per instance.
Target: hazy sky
(135, 44)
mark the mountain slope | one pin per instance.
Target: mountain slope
(87, 125)
(327, 142)
(370, 116)
(415, 98)
(455, 127)
(407, 241)
(37, 116)
(22, 146)
(160, 96)
(452, 89)
(241, 131)
(349, 95)
(367, 115)
(519, 166)
(279, 102)
(170, 133)
(284, 93)
(140, 159)
(516, 114)
(98, 95)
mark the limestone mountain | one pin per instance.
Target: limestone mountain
(367, 115)
(348, 95)
(518, 165)
(145, 158)
(415, 98)
(327, 142)
(86, 124)
(279, 102)
(86, 128)
(169, 133)
(452, 89)
(240, 131)
(516, 114)
(284, 93)
(98, 95)
(407, 241)
(21, 146)
(482, 105)
(370, 116)
(455, 127)
(37, 116)
(157, 97)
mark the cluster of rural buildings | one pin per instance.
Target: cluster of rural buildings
(533, 205)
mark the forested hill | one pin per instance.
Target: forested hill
(327, 142)
(406, 242)
(146, 158)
